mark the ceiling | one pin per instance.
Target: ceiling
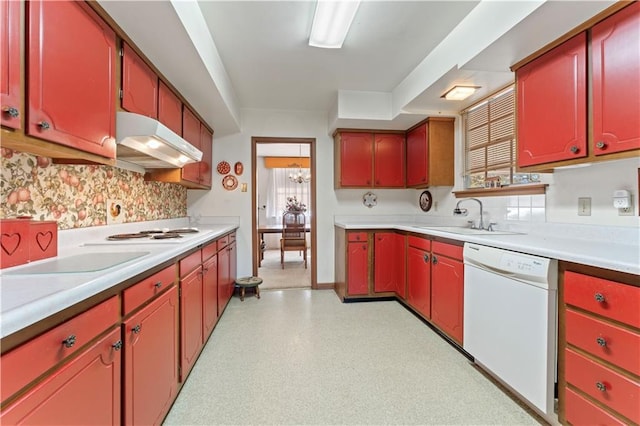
(398, 59)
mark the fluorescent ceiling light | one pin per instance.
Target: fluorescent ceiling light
(331, 22)
(458, 93)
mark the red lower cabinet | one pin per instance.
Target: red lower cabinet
(358, 267)
(151, 361)
(389, 267)
(419, 276)
(447, 291)
(209, 295)
(190, 320)
(84, 391)
(224, 278)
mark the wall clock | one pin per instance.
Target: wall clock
(426, 200)
(370, 199)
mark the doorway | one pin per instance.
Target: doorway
(288, 147)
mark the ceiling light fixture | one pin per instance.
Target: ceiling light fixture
(459, 93)
(331, 22)
(300, 177)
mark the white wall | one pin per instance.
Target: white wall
(560, 204)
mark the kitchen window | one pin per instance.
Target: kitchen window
(490, 143)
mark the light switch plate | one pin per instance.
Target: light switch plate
(584, 206)
(115, 211)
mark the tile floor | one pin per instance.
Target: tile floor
(302, 357)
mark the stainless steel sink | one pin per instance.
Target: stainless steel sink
(467, 231)
(84, 262)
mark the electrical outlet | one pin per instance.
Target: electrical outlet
(626, 211)
(584, 206)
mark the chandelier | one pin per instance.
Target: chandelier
(300, 177)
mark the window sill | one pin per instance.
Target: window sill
(504, 191)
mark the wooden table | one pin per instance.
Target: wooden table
(271, 229)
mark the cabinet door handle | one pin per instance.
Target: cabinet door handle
(158, 284)
(364, 247)
(574, 149)
(601, 386)
(117, 345)
(69, 341)
(426, 258)
(12, 112)
(599, 297)
(44, 125)
(136, 329)
(601, 145)
(434, 259)
(601, 341)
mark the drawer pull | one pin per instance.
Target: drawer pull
(44, 125)
(599, 297)
(136, 329)
(158, 284)
(601, 342)
(117, 345)
(601, 386)
(12, 112)
(574, 149)
(69, 341)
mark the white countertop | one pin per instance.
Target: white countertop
(26, 299)
(603, 253)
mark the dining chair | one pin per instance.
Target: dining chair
(294, 236)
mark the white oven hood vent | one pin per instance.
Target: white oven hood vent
(147, 143)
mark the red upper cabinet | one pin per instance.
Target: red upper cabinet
(552, 105)
(10, 64)
(355, 151)
(191, 133)
(616, 87)
(169, 109)
(139, 84)
(430, 153)
(206, 146)
(71, 76)
(389, 168)
(417, 156)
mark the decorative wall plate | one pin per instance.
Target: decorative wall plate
(238, 168)
(229, 182)
(426, 200)
(370, 199)
(223, 167)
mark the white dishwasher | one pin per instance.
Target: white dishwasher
(510, 320)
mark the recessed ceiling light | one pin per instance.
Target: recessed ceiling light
(458, 93)
(331, 22)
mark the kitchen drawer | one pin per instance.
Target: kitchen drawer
(448, 250)
(209, 250)
(610, 342)
(579, 411)
(610, 299)
(356, 236)
(612, 389)
(421, 243)
(28, 361)
(146, 289)
(223, 242)
(190, 263)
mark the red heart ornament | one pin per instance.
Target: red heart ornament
(44, 240)
(10, 243)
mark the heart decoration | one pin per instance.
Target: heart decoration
(44, 240)
(10, 243)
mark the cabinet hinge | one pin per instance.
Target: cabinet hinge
(120, 93)
(121, 52)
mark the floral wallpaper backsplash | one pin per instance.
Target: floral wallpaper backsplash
(76, 195)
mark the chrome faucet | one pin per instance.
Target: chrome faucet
(463, 212)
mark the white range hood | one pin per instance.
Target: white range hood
(147, 143)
